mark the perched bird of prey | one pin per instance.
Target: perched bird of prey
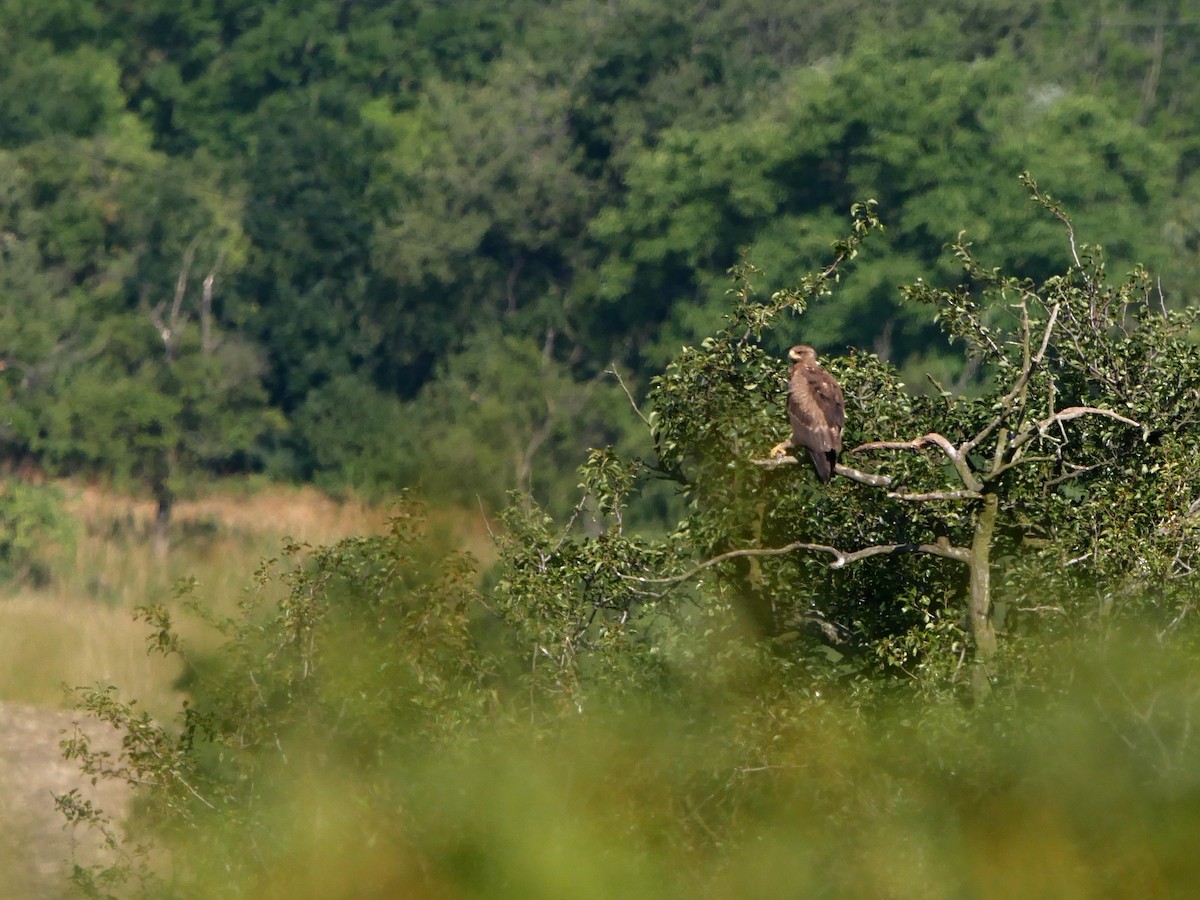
(817, 411)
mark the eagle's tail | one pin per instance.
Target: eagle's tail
(823, 462)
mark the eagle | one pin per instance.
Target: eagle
(817, 411)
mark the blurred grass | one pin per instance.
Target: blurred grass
(573, 819)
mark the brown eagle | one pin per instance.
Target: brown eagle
(817, 411)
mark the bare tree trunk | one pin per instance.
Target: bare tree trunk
(979, 603)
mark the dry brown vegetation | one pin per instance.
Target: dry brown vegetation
(79, 628)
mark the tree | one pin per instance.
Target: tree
(1078, 457)
(504, 415)
(130, 369)
(489, 218)
(349, 433)
(308, 292)
(213, 386)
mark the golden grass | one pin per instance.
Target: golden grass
(272, 511)
(46, 643)
(79, 629)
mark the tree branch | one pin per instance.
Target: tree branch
(1074, 412)
(1006, 402)
(936, 495)
(612, 370)
(954, 454)
(841, 558)
(208, 344)
(863, 477)
(1066, 415)
(1078, 471)
(845, 471)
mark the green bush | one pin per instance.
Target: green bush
(34, 530)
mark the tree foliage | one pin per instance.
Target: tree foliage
(387, 184)
(1078, 435)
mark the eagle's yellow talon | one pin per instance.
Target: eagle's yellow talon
(781, 449)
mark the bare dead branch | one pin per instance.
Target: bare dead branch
(1074, 412)
(486, 523)
(185, 269)
(956, 456)
(915, 444)
(171, 328)
(612, 368)
(734, 554)
(936, 495)
(208, 344)
(1062, 217)
(774, 462)
(1006, 402)
(841, 558)
(942, 548)
(845, 471)
(863, 477)
(1066, 415)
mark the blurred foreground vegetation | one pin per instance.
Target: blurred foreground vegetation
(372, 733)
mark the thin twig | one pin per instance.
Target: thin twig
(621, 381)
(1006, 402)
(486, 523)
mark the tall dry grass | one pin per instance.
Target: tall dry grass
(79, 628)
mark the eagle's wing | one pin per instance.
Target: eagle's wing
(817, 411)
(816, 408)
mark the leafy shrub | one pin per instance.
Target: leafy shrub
(34, 529)
(347, 655)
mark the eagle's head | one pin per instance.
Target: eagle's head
(802, 353)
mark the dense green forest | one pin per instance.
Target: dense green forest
(344, 241)
(558, 249)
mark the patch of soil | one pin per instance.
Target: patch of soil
(36, 847)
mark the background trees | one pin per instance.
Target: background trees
(396, 182)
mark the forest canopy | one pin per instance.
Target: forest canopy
(226, 225)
